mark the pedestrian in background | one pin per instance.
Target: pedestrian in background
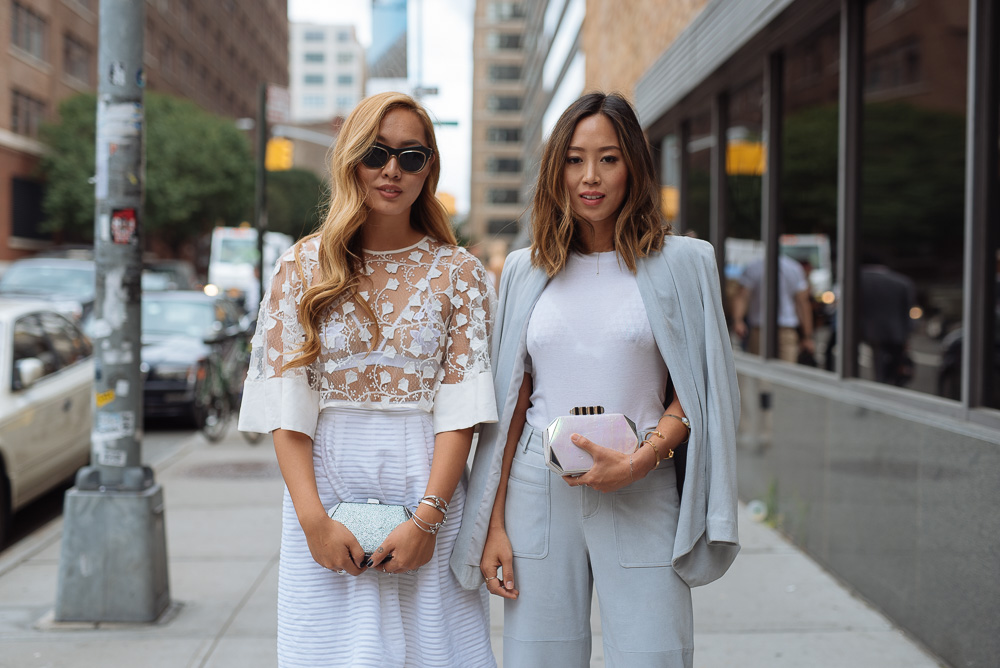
(606, 308)
(370, 367)
(795, 319)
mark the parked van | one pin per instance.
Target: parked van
(232, 261)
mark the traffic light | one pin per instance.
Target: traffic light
(280, 153)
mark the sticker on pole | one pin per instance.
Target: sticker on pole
(117, 74)
(123, 224)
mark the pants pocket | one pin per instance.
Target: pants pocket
(526, 515)
(645, 518)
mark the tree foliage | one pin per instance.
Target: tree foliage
(199, 170)
(295, 199)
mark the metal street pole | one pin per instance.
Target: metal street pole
(113, 565)
(260, 185)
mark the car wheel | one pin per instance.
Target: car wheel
(4, 508)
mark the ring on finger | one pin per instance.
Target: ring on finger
(491, 578)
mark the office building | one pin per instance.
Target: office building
(326, 71)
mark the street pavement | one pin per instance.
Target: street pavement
(775, 608)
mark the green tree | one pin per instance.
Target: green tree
(199, 170)
(295, 200)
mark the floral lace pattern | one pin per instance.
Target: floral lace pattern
(433, 304)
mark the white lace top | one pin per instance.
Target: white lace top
(434, 306)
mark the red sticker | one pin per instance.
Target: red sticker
(123, 226)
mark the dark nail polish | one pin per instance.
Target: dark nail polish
(367, 564)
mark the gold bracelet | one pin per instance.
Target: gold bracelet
(656, 452)
(684, 421)
(654, 431)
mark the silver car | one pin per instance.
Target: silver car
(46, 387)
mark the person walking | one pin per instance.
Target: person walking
(795, 317)
(606, 308)
(370, 368)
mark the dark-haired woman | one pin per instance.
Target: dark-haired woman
(370, 367)
(606, 308)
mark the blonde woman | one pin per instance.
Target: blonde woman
(606, 308)
(370, 367)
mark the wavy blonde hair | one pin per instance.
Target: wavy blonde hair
(340, 254)
(640, 227)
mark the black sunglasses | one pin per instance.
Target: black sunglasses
(410, 159)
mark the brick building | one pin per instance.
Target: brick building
(213, 53)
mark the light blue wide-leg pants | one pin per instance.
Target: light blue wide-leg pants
(568, 539)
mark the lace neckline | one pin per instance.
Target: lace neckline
(421, 240)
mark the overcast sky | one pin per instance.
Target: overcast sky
(446, 63)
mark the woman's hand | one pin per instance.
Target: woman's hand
(333, 546)
(407, 548)
(497, 554)
(610, 471)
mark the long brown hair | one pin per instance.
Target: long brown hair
(640, 227)
(340, 253)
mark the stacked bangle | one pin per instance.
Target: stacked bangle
(438, 504)
(684, 421)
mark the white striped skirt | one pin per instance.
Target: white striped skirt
(424, 619)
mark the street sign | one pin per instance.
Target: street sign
(279, 104)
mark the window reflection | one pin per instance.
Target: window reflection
(912, 193)
(745, 166)
(699, 148)
(809, 175)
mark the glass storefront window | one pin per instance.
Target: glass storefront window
(744, 252)
(811, 80)
(912, 194)
(992, 397)
(699, 186)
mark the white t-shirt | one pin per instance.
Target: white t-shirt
(791, 281)
(590, 344)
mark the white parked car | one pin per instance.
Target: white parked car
(46, 383)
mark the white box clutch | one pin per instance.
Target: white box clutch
(611, 430)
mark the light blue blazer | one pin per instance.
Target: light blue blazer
(680, 290)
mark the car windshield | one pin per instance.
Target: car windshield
(238, 251)
(75, 282)
(194, 319)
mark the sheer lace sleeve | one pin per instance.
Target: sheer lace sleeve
(465, 396)
(274, 398)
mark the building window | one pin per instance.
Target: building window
(501, 226)
(896, 67)
(314, 79)
(503, 165)
(26, 114)
(315, 57)
(505, 103)
(313, 101)
(345, 79)
(343, 36)
(504, 135)
(503, 195)
(505, 72)
(505, 41)
(910, 290)
(345, 57)
(28, 31)
(313, 36)
(506, 11)
(77, 58)
(345, 102)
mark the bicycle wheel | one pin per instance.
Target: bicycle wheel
(217, 416)
(253, 437)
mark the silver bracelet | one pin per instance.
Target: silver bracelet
(431, 528)
(437, 501)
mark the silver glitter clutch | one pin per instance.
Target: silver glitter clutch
(370, 522)
(611, 430)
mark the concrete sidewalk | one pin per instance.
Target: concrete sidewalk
(774, 608)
